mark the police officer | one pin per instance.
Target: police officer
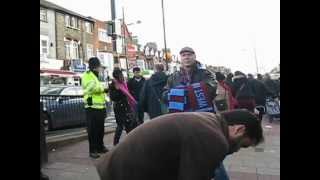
(95, 105)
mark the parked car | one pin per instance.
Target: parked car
(63, 107)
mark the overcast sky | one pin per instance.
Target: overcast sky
(222, 32)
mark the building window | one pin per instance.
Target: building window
(67, 20)
(89, 27)
(44, 45)
(71, 49)
(103, 36)
(43, 14)
(74, 22)
(89, 51)
(79, 23)
(75, 50)
(67, 49)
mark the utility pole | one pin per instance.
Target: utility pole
(255, 58)
(113, 17)
(164, 37)
(124, 43)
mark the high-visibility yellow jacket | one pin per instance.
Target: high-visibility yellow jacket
(92, 88)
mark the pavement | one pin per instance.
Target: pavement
(71, 162)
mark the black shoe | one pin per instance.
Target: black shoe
(43, 177)
(94, 155)
(103, 150)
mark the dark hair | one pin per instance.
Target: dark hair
(242, 116)
(259, 76)
(230, 76)
(94, 62)
(237, 73)
(159, 67)
(250, 76)
(116, 73)
(220, 76)
(135, 69)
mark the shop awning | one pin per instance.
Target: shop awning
(55, 72)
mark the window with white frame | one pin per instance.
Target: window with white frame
(103, 35)
(67, 20)
(71, 49)
(73, 22)
(44, 45)
(78, 24)
(67, 49)
(89, 27)
(43, 14)
(89, 51)
(75, 50)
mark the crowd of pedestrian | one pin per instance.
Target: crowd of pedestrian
(192, 88)
(197, 118)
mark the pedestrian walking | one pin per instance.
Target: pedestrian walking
(180, 146)
(150, 96)
(243, 92)
(229, 80)
(124, 105)
(260, 92)
(135, 85)
(224, 100)
(94, 96)
(272, 85)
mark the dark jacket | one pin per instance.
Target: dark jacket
(272, 86)
(260, 91)
(176, 146)
(243, 89)
(197, 76)
(151, 94)
(120, 105)
(135, 87)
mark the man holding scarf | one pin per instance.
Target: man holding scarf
(192, 89)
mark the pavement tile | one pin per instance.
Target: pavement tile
(268, 171)
(90, 174)
(268, 177)
(244, 169)
(73, 162)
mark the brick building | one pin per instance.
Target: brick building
(73, 36)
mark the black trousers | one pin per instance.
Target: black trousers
(95, 128)
(123, 121)
(140, 115)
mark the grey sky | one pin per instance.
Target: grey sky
(222, 32)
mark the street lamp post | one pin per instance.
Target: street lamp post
(164, 36)
(256, 60)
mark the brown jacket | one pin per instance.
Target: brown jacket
(179, 146)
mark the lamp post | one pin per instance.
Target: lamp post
(164, 36)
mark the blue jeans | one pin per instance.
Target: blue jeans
(221, 173)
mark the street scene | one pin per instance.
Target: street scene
(135, 90)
